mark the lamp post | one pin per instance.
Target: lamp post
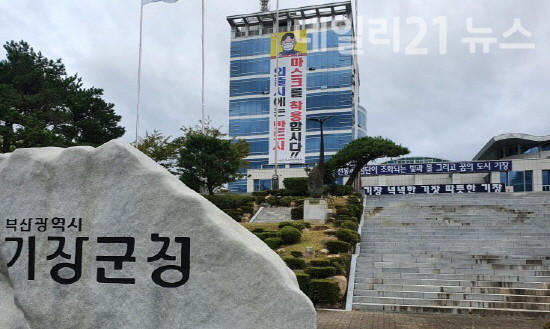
(321, 164)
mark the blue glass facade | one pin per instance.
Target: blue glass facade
(330, 86)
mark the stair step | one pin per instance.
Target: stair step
(448, 309)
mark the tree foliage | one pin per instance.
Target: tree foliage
(201, 156)
(161, 149)
(208, 160)
(361, 151)
(41, 105)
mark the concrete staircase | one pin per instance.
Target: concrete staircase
(460, 253)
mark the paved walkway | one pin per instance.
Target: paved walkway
(380, 320)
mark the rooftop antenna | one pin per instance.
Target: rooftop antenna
(264, 5)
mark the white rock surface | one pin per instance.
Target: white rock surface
(235, 280)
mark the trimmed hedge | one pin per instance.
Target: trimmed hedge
(350, 225)
(297, 224)
(340, 190)
(336, 247)
(247, 210)
(303, 281)
(267, 234)
(236, 214)
(347, 235)
(290, 235)
(354, 199)
(297, 213)
(297, 254)
(231, 201)
(273, 242)
(341, 263)
(296, 185)
(320, 262)
(317, 272)
(295, 263)
(323, 291)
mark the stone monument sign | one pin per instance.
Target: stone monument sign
(106, 238)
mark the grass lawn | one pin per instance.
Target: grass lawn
(312, 238)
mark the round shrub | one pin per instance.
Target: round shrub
(297, 254)
(273, 242)
(295, 263)
(258, 230)
(323, 291)
(336, 247)
(290, 235)
(347, 235)
(303, 281)
(349, 225)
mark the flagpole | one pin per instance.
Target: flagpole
(139, 74)
(202, 61)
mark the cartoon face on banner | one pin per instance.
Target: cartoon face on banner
(289, 43)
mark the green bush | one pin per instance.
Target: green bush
(355, 210)
(347, 235)
(323, 291)
(320, 272)
(296, 185)
(319, 262)
(295, 263)
(273, 242)
(343, 211)
(303, 281)
(267, 234)
(354, 199)
(285, 201)
(340, 190)
(297, 254)
(341, 263)
(297, 224)
(258, 230)
(236, 214)
(546, 325)
(290, 235)
(336, 247)
(297, 213)
(348, 224)
(231, 201)
(344, 218)
(247, 210)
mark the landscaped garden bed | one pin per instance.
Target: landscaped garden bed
(320, 255)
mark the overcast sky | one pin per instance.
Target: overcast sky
(443, 105)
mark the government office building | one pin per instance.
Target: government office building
(282, 76)
(506, 163)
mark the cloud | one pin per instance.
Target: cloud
(437, 105)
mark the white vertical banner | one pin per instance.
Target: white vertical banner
(288, 91)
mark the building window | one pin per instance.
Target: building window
(262, 185)
(546, 180)
(522, 181)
